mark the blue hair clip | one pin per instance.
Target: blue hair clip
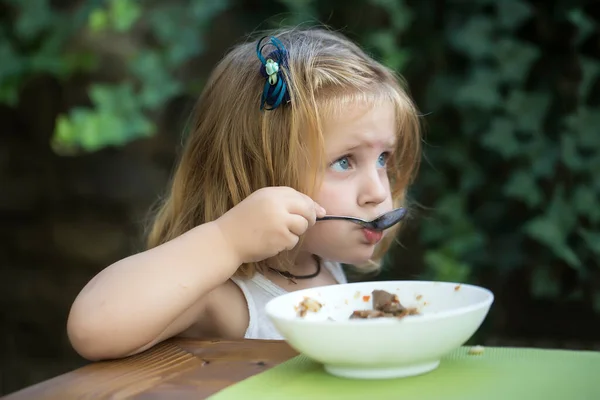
(275, 90)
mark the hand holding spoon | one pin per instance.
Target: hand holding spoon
(382, 222)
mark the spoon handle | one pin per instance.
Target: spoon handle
(351, 219)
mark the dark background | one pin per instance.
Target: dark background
(94, 97)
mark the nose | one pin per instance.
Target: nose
(374, 187)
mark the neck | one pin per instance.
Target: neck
(306, 266)
(305, 263)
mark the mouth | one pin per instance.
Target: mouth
(371, 236)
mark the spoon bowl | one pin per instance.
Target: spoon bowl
(382, 222)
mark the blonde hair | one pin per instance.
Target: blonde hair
(234, 148)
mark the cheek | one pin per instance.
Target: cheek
(333, 198)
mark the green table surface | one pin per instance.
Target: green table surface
(497, 373)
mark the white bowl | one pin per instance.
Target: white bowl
(450, 313)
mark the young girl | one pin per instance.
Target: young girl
(288, 128)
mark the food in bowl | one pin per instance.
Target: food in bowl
(306, 305)
(385, 305)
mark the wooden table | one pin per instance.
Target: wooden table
(175, 369)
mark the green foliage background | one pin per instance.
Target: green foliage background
(509, 88)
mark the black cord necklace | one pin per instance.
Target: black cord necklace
(291, 276)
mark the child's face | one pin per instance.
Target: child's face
(355, 183)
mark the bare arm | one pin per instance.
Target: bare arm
(146, 298)
(151, 296)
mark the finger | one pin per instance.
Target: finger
(305, 207)
(319, 210)
(297, 224)
(292, 241)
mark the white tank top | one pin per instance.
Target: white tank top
(258, 290)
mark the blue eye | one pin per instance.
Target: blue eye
(343, 164)
(382, 160)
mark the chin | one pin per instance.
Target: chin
(356, 256)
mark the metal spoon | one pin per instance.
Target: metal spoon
(384, 221)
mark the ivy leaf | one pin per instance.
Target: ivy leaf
(501, 139)
(34, 17)
(543, 156)
(585, 201)
(98, 20)
(512, 13)
(528, 109)
(446, 268)
(522, 186)
(471, 178)
(592, 239)
(474, 38)
(157, 84)
(462, 245)
(590, 70)
(385, 43)
(400, 15)
(584, 123)
(583, 22)
(300, 11)
(552, 228)
(570, 154)
(560, 210)
(124, 13)
(481, 90)
(441, 90)
(514, 59)
(547, 232)
(543, 284)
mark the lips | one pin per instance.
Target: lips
(372, 236)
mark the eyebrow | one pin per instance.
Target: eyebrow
(384, 143)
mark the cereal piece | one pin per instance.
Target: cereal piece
(457, 288)
(476, 350)
(419, 297)
(307, 305)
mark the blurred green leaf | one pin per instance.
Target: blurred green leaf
(591, 71)
(158, 84)
(446, 268)
(34, 17)
(124, 13)
(385, 43)
(570, 153)
(98, 20)
(528, 109)
(400, 15)
(512, 13)
(547, 232)
(522, 186)
(543, 284)
(584, 124)
(552, 229)
(300, 11)
(514, 59)
(543, 157)
(501, 138)
(474, 37)
(585, 202)
(592, 239)
(480, 90)
(584, 24)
